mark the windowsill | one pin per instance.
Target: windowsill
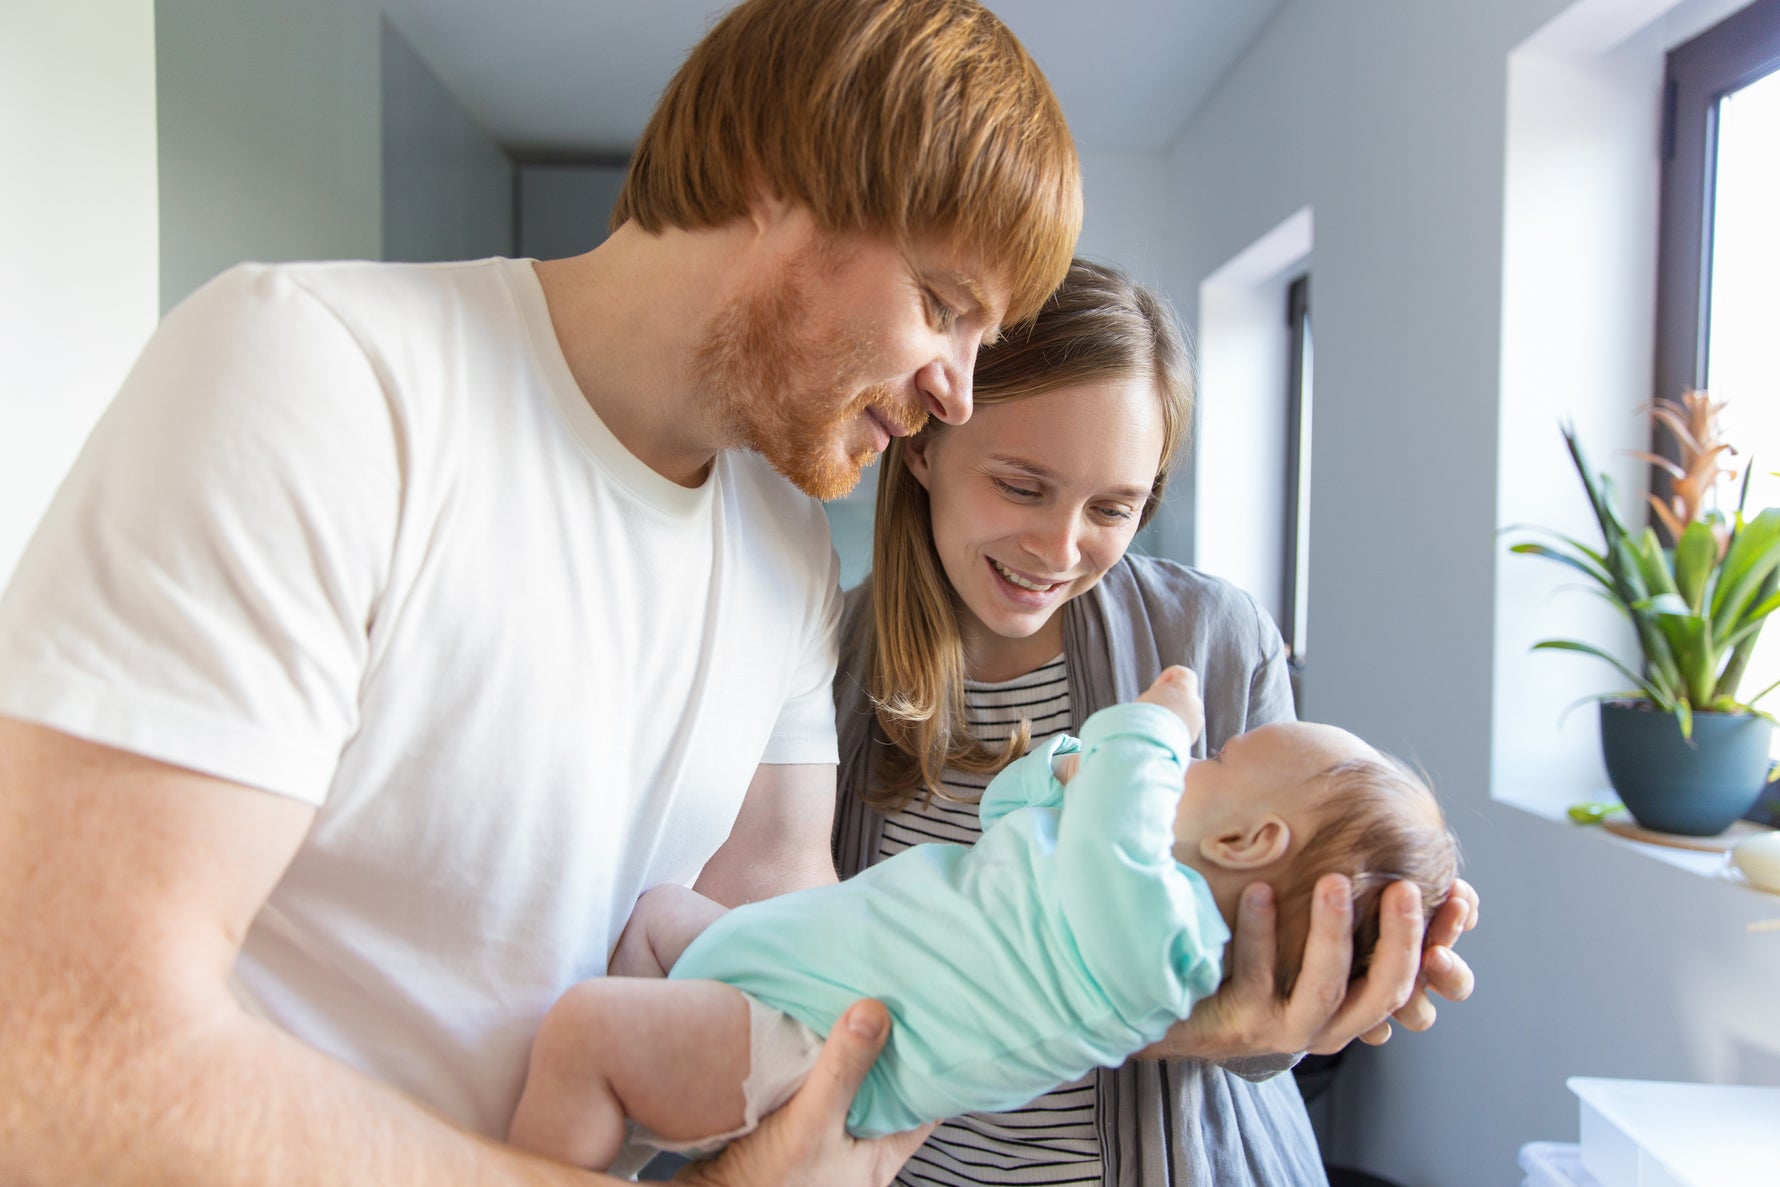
(1712, 866)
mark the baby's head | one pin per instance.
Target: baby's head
(1290, 802)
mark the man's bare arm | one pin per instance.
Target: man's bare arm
(125, 889)
(780, 839)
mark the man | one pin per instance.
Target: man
(400, 625)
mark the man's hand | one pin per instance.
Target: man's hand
(805, 1144)
(1325, 1012)
(1442, 970)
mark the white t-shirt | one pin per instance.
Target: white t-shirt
(351, 534)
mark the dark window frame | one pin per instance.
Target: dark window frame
(1732, 54)
(1737, 51)
(1298, 334)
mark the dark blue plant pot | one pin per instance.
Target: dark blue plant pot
(1668, 783)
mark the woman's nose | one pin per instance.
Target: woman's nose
(1054, 541)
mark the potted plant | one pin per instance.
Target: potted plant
(1684, 752)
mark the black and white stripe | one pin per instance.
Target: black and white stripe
(1053, 1140)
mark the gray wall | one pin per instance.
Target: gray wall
(447, 186)
(1388, 119)
(564, 207)
(270, 134)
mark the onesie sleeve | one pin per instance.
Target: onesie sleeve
(202, 587)
(1145, 924)
(1027, 782)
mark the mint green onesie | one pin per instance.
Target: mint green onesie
(1067, 938)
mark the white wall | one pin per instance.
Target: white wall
(78, 244)
(1389, 120)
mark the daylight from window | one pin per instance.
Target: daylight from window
(1743, 348)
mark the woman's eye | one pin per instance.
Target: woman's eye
(1008, 488)
(1116, 514)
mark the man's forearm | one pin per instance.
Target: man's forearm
(226, 1100)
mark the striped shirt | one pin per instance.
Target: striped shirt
(1053, 1140)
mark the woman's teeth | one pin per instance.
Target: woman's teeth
(1013, 578)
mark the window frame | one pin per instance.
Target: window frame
(1732, 54)
(1291, 592)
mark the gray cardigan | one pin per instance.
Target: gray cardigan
(1173, 1123)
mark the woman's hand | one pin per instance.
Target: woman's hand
(805, 1144)
(1325, 1012)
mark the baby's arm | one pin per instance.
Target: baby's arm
(665, 920)
(1177, 688)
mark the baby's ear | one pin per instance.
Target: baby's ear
(1257, 844)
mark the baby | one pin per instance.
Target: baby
(1076, 931)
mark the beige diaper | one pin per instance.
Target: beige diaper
(781, 1052)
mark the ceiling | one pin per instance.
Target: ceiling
(580, 76)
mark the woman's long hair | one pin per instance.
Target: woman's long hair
(1099, 325)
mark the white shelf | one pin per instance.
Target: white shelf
(1649, 1133)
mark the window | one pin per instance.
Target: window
(1294, 567)
(1719, 261)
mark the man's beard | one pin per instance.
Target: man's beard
(788, 393)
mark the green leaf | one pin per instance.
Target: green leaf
(1591, 813)
(1649, 689)
(1764, 692)
(1653, 563)
(1754, 553)
(1696, 554)
(1594, 571)
(1753, 619)
(1690, 641)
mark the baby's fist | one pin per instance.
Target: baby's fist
(1177, 688)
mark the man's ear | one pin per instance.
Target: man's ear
(1255, 845)
(767, 210)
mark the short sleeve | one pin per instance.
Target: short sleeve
(805, 730)
(201, 589)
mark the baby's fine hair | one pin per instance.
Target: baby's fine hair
(1379, 822)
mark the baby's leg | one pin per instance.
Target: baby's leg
(669, 1055)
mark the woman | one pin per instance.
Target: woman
(1003, 609)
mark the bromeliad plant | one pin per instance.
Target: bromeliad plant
(1697, 606)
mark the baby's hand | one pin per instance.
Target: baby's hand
(1177, 688)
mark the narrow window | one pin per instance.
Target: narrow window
(1295, 534)
(1718, 324)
